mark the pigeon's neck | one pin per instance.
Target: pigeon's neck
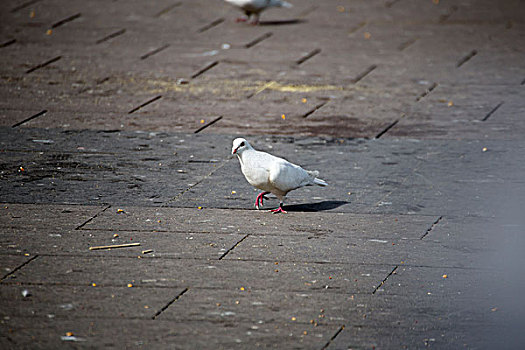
(246, 153)
(240, 158)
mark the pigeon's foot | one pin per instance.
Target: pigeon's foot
(260, 198)
(241, 19)
(255, 20)
(278, 210)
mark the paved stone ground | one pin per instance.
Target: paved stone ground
(116, 122)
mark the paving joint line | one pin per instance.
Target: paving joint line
(207, 125)
(154, 51)
(431, 227)
(157, 314)
(145, 104)
(427, 92)
(65, 20)
(308, 56)
(111, 36)
(18, 267)
(489, 114)
(210, 25)
(234, 246)
(7, 43)
(385, 130)
(167, 9)
(42, 65)
(364, 74)
(313, 110)
(467, 58)
(386, 278)
(24, 5)
(43, 112)
(204, 69)
(258, 40)
(333, 337)
(92, 218)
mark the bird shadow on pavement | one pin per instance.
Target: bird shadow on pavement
(282, 22)
(312, 207)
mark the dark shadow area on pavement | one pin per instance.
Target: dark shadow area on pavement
(282, 22)
(319, 206)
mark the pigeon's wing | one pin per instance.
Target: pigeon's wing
(279, 3)
(239, 3)
(286, 176)
(258, 5)
(250, 5)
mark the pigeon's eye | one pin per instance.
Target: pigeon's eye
(242, 144)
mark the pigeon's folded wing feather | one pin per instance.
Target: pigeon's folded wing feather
(287, 176)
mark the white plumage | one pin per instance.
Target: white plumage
(253, 8)
(272, 174)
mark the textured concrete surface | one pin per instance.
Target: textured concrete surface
(116, 122)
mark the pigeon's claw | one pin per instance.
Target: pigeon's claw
(260, 197)
(278, 210)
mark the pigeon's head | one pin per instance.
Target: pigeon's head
(239, 145)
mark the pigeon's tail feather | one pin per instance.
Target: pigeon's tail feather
(283, 4)
(320, 182)
(315, 174)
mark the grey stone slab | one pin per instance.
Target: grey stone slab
(180, 147)
(209, 220)
(252, 306)
(84, 302)
(474, 297)
(80, 167)
(391, 251)
(25, 332)
(360, 337)
(482, 199)
(322, 249)
(154, 272)
(417, 321)
(95, 178)
(430, 281)
(31, 217)
(155, 244)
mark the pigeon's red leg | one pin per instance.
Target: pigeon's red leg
(279, 210)
(241, 19)
(255, 20)
(260, 198)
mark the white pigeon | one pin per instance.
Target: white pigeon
(272, 174)
(255, 7)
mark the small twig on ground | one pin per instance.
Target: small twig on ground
(114, 246)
